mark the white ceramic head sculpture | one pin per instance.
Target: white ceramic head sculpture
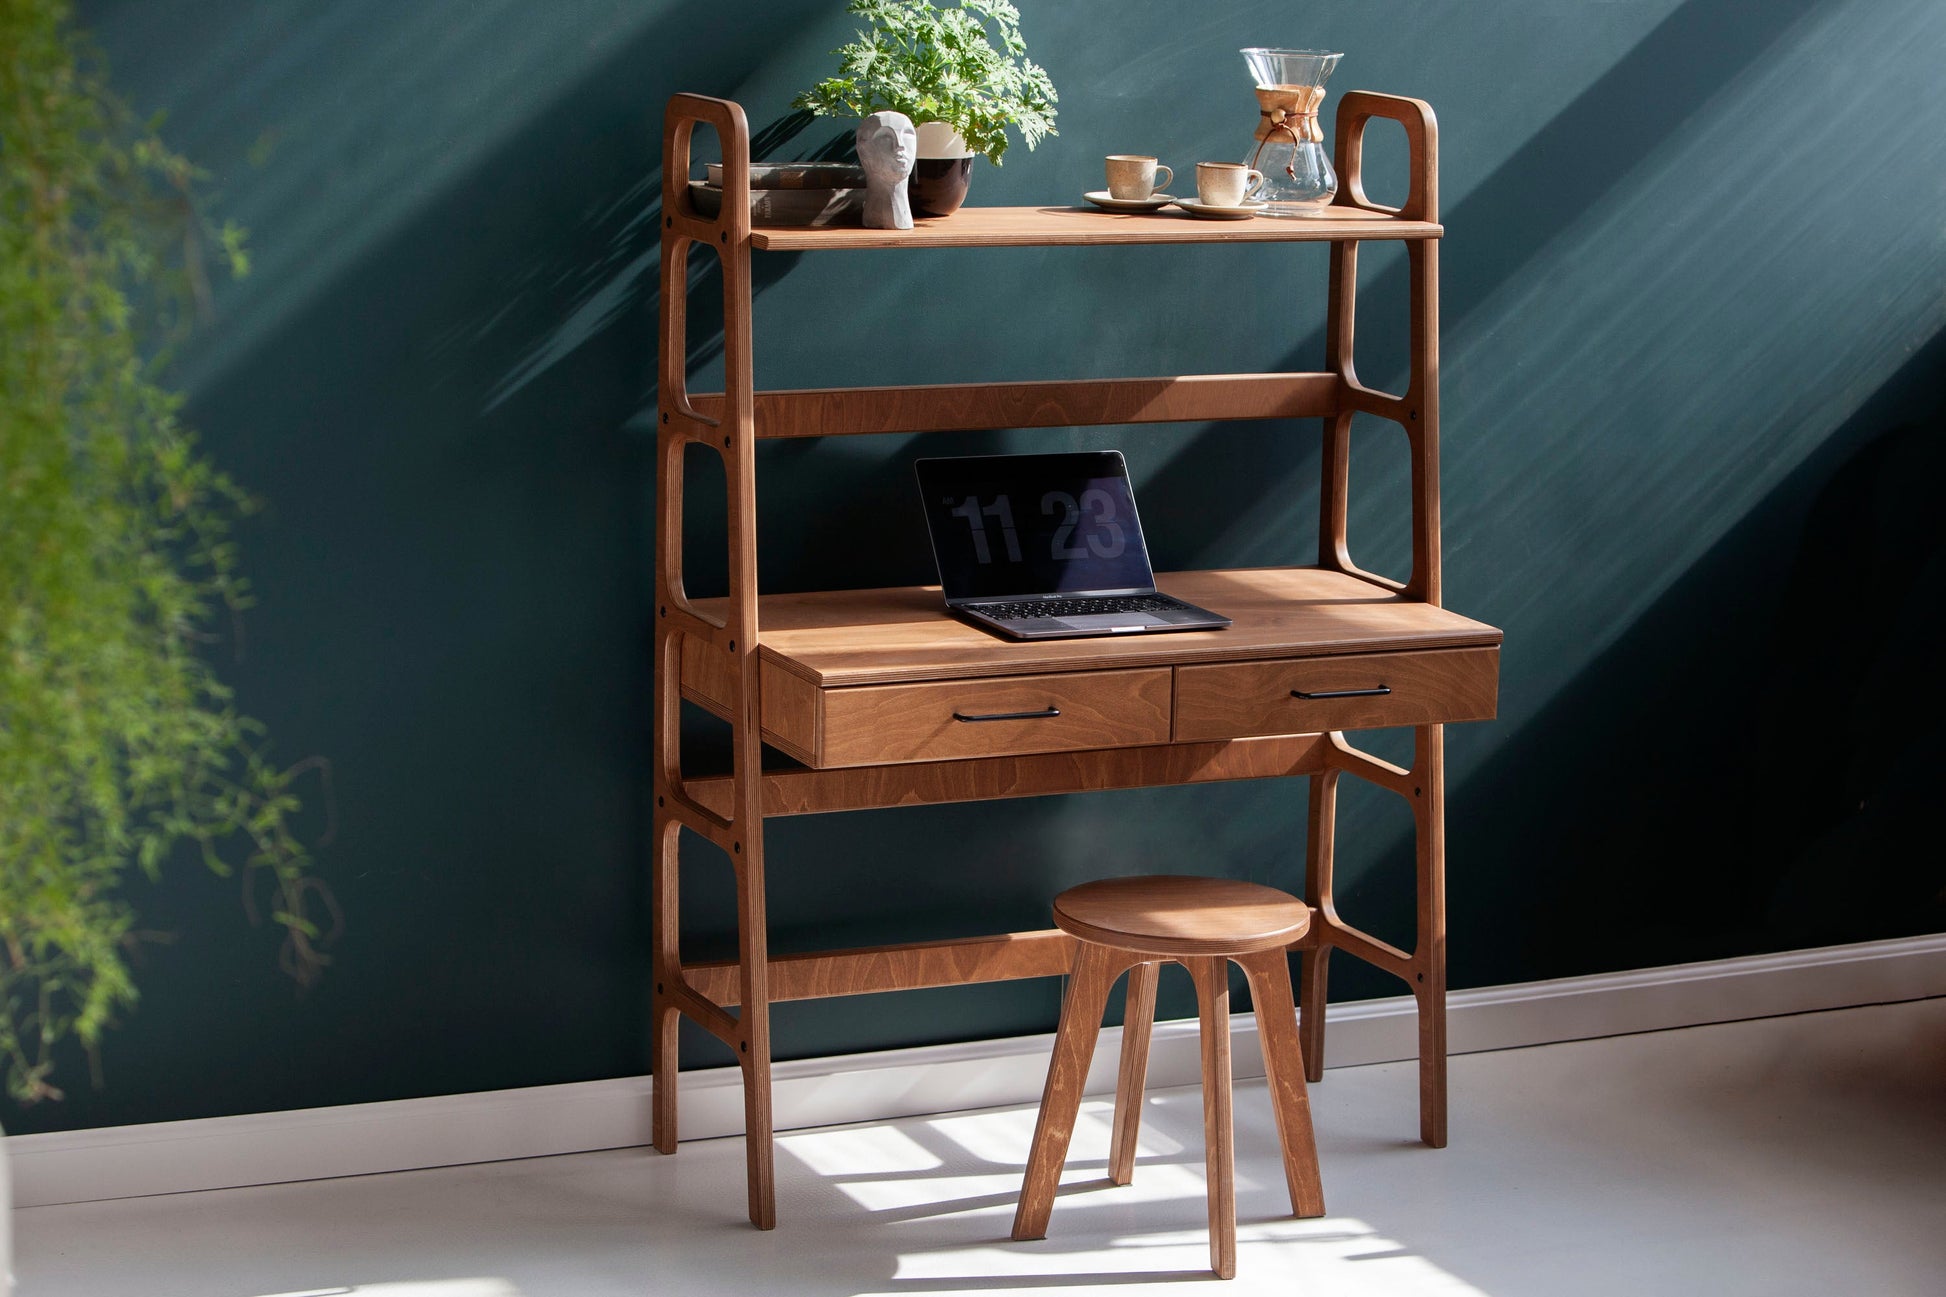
(887, 145)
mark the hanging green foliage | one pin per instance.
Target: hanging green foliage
(119, 746)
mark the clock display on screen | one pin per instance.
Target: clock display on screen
(1006, 525)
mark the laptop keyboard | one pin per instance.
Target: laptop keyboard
(1077, 607)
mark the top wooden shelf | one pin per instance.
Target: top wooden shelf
(1022, 227)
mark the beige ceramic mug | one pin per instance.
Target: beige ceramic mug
(1132, 176)
(1226, 184)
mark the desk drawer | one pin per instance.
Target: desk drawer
(875, 724)
(1234, 699)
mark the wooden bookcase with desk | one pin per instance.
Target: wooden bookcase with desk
(872, 690)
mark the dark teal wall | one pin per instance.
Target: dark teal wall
(1693, 403)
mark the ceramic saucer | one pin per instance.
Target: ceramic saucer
(1212, 213)
(1153, 203)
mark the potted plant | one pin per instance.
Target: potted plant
(120, 748)
(942, 68)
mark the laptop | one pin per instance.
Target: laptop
(1046, 547)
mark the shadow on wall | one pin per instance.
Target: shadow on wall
(629, 231)
(1493, 236)
(1756, 765)
(1710, 362)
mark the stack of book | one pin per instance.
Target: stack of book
(790, 193)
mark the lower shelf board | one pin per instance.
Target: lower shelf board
(907, 967)
(958, 961)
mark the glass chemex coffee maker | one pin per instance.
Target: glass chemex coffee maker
(1289, 151)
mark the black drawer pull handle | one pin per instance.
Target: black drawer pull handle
(1041, 715)
(1379, 692)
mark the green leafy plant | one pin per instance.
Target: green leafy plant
(119, 745)
(941, 65)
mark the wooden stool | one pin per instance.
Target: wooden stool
(1137, 924)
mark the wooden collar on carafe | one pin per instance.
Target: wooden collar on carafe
(1290, 111)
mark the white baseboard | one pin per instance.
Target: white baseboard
(408, 1134)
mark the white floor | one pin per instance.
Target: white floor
(1789, 1155)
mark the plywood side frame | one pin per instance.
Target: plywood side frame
(1417, 413)
(1423, 969)
(1417, 410)
(736, 829)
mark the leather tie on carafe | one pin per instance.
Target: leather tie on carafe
(1291, 111)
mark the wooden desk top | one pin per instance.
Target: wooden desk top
(836, 638)
(1002, 227)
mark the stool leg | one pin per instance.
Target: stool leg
(1212, 977)
(1095, 970)
(1137, 1021)
(1270, 987)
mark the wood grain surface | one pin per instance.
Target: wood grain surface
(1212, 978)
(1095, 971)
(1234, 699)
(793, 713)
(877, 724)
(928, 783)
(840, 638)
(1023, 227)
(1269, 974)
(1179, 916)
(904, 967)
(885, 652)
(847, 411)
(1138, 1026)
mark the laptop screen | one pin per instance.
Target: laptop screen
(1008, 525)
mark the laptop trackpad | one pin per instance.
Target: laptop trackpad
(1111, 620)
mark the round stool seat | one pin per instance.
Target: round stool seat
(1176, 915)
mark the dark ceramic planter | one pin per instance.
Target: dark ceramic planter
(938, 185)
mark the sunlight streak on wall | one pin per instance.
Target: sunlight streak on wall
(1758, 278)
(352, 117)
